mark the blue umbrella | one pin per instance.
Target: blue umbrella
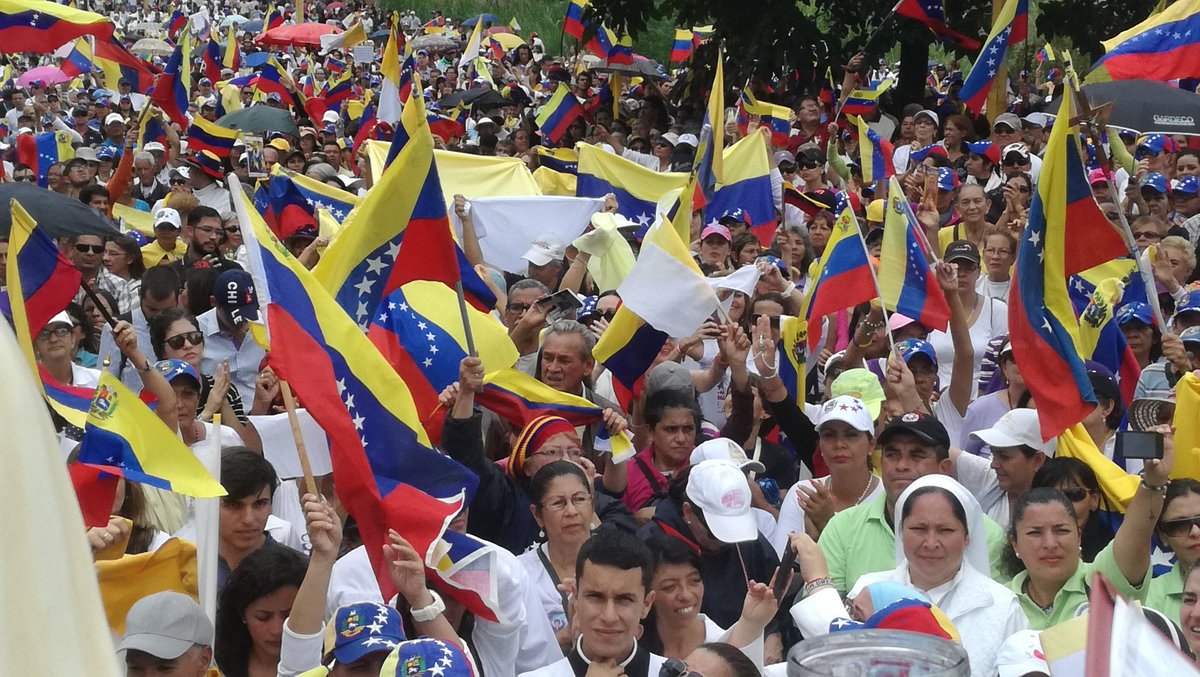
(380, 35)
(488, 20)
(252, 26)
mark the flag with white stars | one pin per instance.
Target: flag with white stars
(428, 657)
(1163, 47)
(1066, 234)
(907, 284)
(1009, 29)
(844, 277)
(637, 188)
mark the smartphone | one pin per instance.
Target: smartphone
(783, 574)
(559, 304)
(1143, 445)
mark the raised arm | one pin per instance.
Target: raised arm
(1131, 544)
(962, 373)
(126, 340)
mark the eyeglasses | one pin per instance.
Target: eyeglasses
(519, 307)
(209, 231)
(807, 164)
(993, 251)
(674, 667)
(195, 338)
(572, 453)
(1075, 494)
(93, 248)
(178, 182)
(57, 332)
(24, 177)
(1179, 527)
(965, 266)
(233, 229)
(1021, 188)
(1148, 234)
(559, 503)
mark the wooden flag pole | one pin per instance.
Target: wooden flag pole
(289, 402)
(466, 319)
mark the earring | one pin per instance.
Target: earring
(542, 534)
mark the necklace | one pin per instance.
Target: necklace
(866, 489)
(1047, 608)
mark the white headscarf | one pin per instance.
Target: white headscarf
(976, 554)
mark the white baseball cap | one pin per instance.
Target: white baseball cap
(1015, 428)
(155, 145)
(849, 410)
(168, 216)
(113, 117)
(1021, 654)
(62, 317)
(722, 493)
(725, 449)
(165, 625)
(689, 140)
(330, 116)
(544, 249)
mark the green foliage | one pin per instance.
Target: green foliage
(652, 38)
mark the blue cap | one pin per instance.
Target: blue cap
(587, 305)
(1155, 181)
(1154, 144)
(986, 149)
(106, 153)
(361, 629)
(947, 179)
(235, 294)
(1190, 335)
(427, 657)
(778, 263)
(1134, 311)
(1188, 185)
(138, 237)
(737, 215)
(173, 369)
(910, 348)
(1190, 303)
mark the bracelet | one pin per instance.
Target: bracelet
(787, 291)
(813, 585)
(1161, 489)
(428, 613)
(147, 367)
(864, 345)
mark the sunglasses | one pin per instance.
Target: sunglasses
(178, 182)
(774, 319)
(195, 338)
(1075, 494)
(674, 667)
(1148, 234)
(233, 229)
(93, 248)
(1015, 162)
(807, 164)
(1179, 527)
(25, 177)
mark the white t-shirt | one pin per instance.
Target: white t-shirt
(976, 474)
(990, 322)
(993, 290)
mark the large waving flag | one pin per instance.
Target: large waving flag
(772, 116)
(907, 285)
(205, 135)
(558, 113)
(637, 188)
(933, 14)
(1009, 29)
(746, 185)
(118, 63)
(171, 86)
(125, 438)
(622, 53)
(38, 27)
(665, 286)
(44, 150)
(41, 282)
(366, 262)
(1092, 294)
(844, 277)
(79, 60)
(1066, 234)
(573, 22)
(1166, 46)
(602, 42)
(287, 209)
(315, 194)
(386, 474)
(419, 329)
(874, 152)
(683, 46)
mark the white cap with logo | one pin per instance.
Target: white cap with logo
(544, 249)
(849, 410)
(1015, 428)
(724, 449)
(722, 494)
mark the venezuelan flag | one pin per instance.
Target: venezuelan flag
(338, 203)
(561, 160)
(1066, 234)
(232, 58)
(289, 210)
(43, 150)
(863, 102)
(38, 27)
(274, 19)
(1009, 29)
(1165, 46)
(747, 185)
(573, 22)
(558, 113)
(844, 277)
(602, 42)
(621, 53)
(710, 155)
(906, 282)
(1046, 53)
(171, 86)
(124, 437)
(367, 262)
(376, 442)
(118, 63)
(79, 61)
(419, 330)
(637, 188)
(150, 128)
(774, 117)
(205, 135)
(627, 349)
(41, 282)
(176, 24)
(210, 59)
(682, 47)
(875, 153)
(793, 356)
(1110, 349)
(933, 14)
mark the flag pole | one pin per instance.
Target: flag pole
(466, 319)
(874, 280)
(208, 511)
(289, 403)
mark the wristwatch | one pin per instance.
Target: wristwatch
(425, 614)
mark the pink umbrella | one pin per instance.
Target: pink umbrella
(47, 75)
(297, 34)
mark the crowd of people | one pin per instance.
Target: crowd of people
(909, 470)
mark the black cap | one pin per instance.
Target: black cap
(922, 426)
(964, 250)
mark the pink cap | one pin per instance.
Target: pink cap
(1097, 176)
(716, 229)
(897, 321)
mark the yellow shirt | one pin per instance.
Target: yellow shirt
(153, 253)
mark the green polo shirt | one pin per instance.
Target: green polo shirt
(1166, 592)
(860, 541)
(1072, 599)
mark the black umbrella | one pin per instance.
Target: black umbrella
(641, 67)
(60, 215)
(261, 118)
(1146, 106)
(490, 99)
(471, 96)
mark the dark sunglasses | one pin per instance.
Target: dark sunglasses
(233, 229)
(93, 248)
(1179, 527)
(807, 164)
(673, 667)
(774, 320)
(195, 338)
(1075, 494)
(1015, 162)
(25, 177)
(178, 182)
(1148, 234)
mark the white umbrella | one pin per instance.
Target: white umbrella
(234, 19)
(152, 46)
